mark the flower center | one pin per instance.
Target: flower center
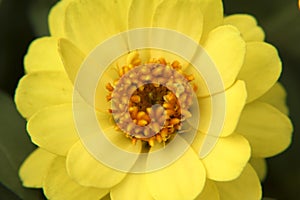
(149, 102)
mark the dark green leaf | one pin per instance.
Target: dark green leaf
(14, 148)
(38, 16)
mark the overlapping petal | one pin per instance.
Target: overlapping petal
(276, 97)
(71, 57)
(87, 171)
(56, 18)
(59, 185)
(188, 179)
(35, 168)
(137, 11)
(227, 49)
(89, 22)
(228, 158)
(247, 25)
(261, 69)
(189, 12)
(233, 100)
(246, 186)
(209, 192)
(42, 89)
(42, 55)
(210, 19)
(260, 166)
(267, 129)
(132, 187)
(57, 136)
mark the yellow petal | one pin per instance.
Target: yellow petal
(56, 18)
(261, 69)
(247, 25)
(183, 179)
(42, 89)
(178, 16)
(35, 167)
(109, 76)
(143, 11)
(227, 49)
(90, 22)
(210, 191)
(246, 187)
(260, 166)
(233, 99)
(43, 55)
(53, 129)
(210, 19)
(87, 171)
(276, 97)
(71, 57)
(133, 187)
(266, 128)
(58, 185)
(228, 158)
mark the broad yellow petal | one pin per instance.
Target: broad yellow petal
(53, 128)
(87, 171)
(183, 179)
(246, 186)
(56, 18)
(228, 158)
(89, 22)
(38, 90)
(276, 97)
(43, 55)
(210, 19)
(266, 128)
(260, 166)
(133, 187)
(247, 25)
(178, 16)
(143, 11)
(209, 192)
(227, 49)
(58, 185)
(35, 168)
(233, 99)
(261, 69)
(71, 57)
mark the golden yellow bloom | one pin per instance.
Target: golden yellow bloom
(255, 124)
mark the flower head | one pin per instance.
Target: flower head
(154, 122)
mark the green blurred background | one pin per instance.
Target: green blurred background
(21, 21)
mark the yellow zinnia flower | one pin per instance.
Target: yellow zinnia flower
(55, 97)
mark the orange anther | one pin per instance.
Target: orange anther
(133, 141)
(159, 138)
(162, 61)
(174, 121)
(135, 98)
(108, 97)
(168, 105)
(164, 132)
(151, 141)
(176, 65)
(141, 115)
(142, 122)
(190, 77)
(109, 87)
